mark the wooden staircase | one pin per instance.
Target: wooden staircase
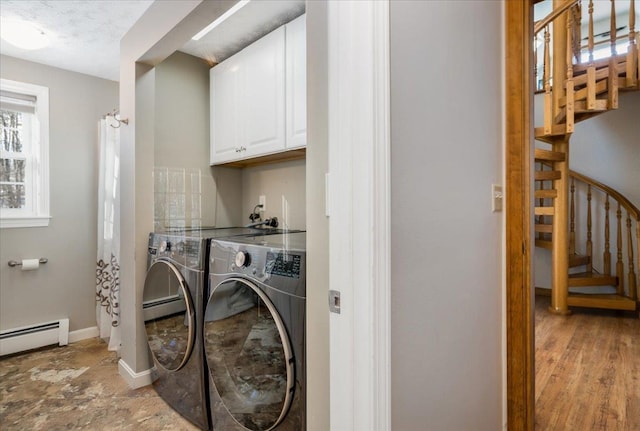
(588, 89)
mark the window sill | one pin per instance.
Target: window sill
(21, 222)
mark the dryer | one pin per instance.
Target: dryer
(254, 333)
(173, 305)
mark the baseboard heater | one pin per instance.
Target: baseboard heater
(34, 336)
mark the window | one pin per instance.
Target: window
(24, 155)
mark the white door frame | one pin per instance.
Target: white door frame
(359, 210)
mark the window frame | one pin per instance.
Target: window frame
(36, 213)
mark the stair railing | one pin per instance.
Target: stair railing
(592, 204)
(569, 14)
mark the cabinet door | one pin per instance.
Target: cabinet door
(296, 78)
(227, 93)
(264, 97)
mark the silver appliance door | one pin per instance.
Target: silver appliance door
(249, 354)
(169, 315)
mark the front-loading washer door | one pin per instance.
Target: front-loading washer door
(169, 315)
(249, 354)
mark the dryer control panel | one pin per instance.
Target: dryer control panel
(181, 250)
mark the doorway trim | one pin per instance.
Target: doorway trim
(519, 207)
(354, 379)
(359, 214)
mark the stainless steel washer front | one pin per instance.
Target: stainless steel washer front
(249, 354)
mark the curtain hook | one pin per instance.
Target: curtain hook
(120, 121)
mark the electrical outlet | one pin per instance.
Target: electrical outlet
(262, 200)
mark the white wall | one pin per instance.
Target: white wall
(446, 275)
(65, 286)
(607, 147)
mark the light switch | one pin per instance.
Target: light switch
(497, 198)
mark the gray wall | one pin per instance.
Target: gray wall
(446, 275)
(181, 140)
(283, 185)
(64, 287)
(317, 223)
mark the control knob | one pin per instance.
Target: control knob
(164, 246)
(243, 259)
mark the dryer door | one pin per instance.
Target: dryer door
(249, 354)
(169, 315)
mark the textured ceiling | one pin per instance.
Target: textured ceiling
(85, 35)
(254, 20)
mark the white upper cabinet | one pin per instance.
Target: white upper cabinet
(296, 79)
(258, 97)
(264, 95)
(227, 93)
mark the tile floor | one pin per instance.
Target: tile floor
(77, 387)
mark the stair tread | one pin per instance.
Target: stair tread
(599, 300)
(554, 156)
(544, 228)
(558, 130)
(599, 64)
(544, 194)
(578, 260)
(591, 275)
(544, 211)
(585, 279)
(547, 175)
(543, 243)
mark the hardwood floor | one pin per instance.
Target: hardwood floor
(587, 370)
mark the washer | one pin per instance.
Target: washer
(254, 333)
(173, 305)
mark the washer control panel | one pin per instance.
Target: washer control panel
(283, 264)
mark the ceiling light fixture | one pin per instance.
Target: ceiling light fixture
(235, 8)
(23, 34)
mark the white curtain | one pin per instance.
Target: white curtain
(108, 260)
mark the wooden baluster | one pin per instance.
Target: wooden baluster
(577, 31)
(591, 69)
(570, 95)
(548, 115)
(589, 243)
(612, 85)
(607, 252)
(613, 29)
(635, 293)
(541, 219)
(535, 62)
(591, 37)
(632, 271)
(572, 220)
(619, 263)
(632, 50)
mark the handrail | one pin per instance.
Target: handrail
(539, 25)
(626, 203)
